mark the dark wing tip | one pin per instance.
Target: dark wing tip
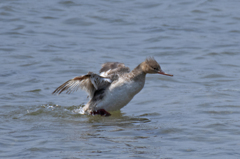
(71, 86)
(61, 88)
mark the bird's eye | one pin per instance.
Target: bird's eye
(155, 69)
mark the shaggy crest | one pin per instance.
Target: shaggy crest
(152, 63)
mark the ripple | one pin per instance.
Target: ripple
(199, 11)
(68, 3)
(50, 17)
(221, 53)
(234, 31)
(214, 76)
(21, 56)
(221, 112)
(35, 90)
(78, 22)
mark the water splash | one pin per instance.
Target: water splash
(79, 111)
(49, 106)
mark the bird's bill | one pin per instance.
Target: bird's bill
(163, 73)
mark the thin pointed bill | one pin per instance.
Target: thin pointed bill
(163, 73)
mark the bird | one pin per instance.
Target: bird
(113, 88)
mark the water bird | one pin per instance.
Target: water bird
(113, 88)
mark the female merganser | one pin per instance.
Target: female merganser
(113, 88)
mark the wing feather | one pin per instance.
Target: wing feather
(90, 83)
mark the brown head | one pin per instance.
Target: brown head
(150, 65)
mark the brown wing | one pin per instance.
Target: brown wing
(110, 65)
(90, 83)
(113, 70)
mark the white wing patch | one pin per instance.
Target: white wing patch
(107, 80)
(105, 74)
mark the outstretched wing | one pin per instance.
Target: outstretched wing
(90, 83)
(113, 70)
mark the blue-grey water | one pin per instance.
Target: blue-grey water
(194, 114)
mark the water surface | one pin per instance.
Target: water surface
(194, 114)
